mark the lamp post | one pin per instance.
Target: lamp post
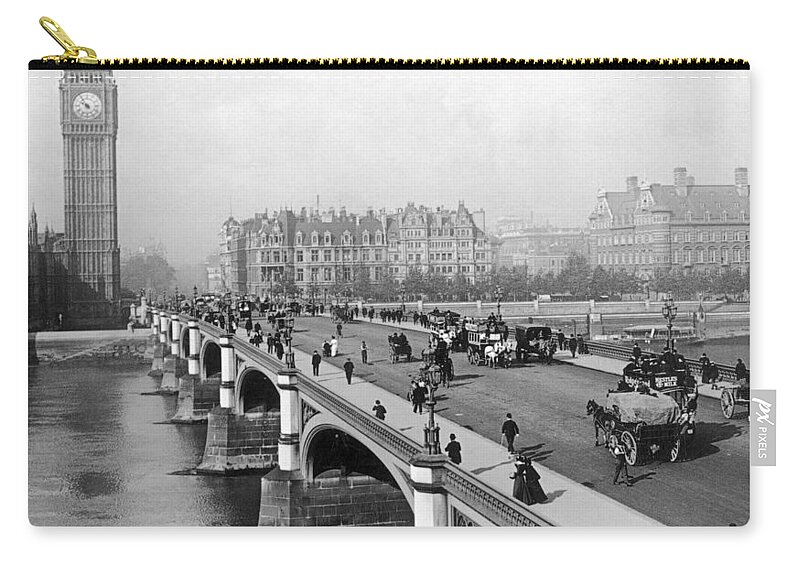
(177, 303)
(164, 295)
(403, 295)
(194, 301)
(228, 300)
(431, 430)
(498, 295)
(289, 353)
(669, 311)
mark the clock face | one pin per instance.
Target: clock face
(87, 106)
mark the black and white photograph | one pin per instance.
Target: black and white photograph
(389, 297)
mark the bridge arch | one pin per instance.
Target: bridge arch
(316, 455)
(184, 342)
(210, 360)
(255, 392)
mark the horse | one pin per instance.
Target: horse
(603, 421)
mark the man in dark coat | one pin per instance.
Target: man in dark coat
(418, 398)
(380, 411)
(704, 365)
(315, 360)
(637, 352)
(510, 430)
(741, 369)
(348, 370)
(453, 450)
(573, 345)
(713, 375)
(278, 349)
(561, 339)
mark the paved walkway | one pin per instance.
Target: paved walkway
(570, 503)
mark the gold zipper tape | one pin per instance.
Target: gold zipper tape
(72, 56)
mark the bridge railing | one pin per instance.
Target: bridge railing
(461, 484)
(609, 350)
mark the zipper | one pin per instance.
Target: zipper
(72, 56)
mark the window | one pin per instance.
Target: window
(326, 255)
(707, 217)
(712, 255)
(346, 238)
(327, 238)
(703, 237)
(298, 239)
(688, 216)
(715, 236)
(741, 216)
(378, 238)
(276, 257)
(378, 255)
(346, 255)
(724, 216)
(314, 255)
(314, 239)
(365, 255)
(723, 255)
(326, 273)
(300, 255)
(700, 256)
(688, 237)
(346, 274)
(737, 255)
(299, 275)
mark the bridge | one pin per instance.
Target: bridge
(328, 461)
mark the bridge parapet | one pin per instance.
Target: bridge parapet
(460, 485)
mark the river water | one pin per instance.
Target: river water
(98, 457)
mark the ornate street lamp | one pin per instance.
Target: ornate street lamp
(177, 303)
(289, 353)
(669, 311)
(498, 295)
(194, 301)
(431, 430)
(403, 295)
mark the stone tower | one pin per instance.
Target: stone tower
(89, 128)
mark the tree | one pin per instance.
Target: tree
(575, 277)
(148, 272)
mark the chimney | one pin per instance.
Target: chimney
(680, 180)
(343, 213)
(303, 213)
(631, 183)
(742, 181)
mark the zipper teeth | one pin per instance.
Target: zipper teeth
(564, 63)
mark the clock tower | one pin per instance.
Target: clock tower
(89, 128)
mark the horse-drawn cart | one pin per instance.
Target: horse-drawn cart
(656, 414)
(486, 344)
(733, 395)
(399, 349)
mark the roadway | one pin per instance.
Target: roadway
(549, 404)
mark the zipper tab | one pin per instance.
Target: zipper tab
(72, 52)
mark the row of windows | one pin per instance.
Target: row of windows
(723, 217)
(327, 274)
(711, 255)
(327, 255)
(711, 236)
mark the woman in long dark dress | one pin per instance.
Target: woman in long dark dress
(520, 491)
(532, 477)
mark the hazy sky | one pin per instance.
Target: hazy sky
(194, 146)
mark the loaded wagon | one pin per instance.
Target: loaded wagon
(531, 340)
(486, 344)
(398, 349)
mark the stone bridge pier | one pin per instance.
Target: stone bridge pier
(159, 342)
(196, 395)
(243, 429)
(174, 365)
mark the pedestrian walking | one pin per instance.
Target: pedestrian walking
(520, 490)
(364, 352)
(348, 370)
(339, 330)
(248, 326)
(278, 349)
(741, 369)
(334, 346)
(418, 398)
(315, 360)
(619, 454)
(270, 343)
(573, 344)
(713, 375)
(532, 478)
(453, 450)
(705, 364)
(380, 411)
(510, 430)
(561, 339)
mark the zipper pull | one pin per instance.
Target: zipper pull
(72, 53)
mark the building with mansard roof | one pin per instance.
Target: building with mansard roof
(325, 253)
(439, 241)
(651, 228)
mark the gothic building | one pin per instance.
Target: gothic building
(74, 278)
(651, 228)
(326, 254)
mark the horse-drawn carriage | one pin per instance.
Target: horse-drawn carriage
(532, 340)
(733, 395)
(654, 414)
(399, 347)
(486, 344)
